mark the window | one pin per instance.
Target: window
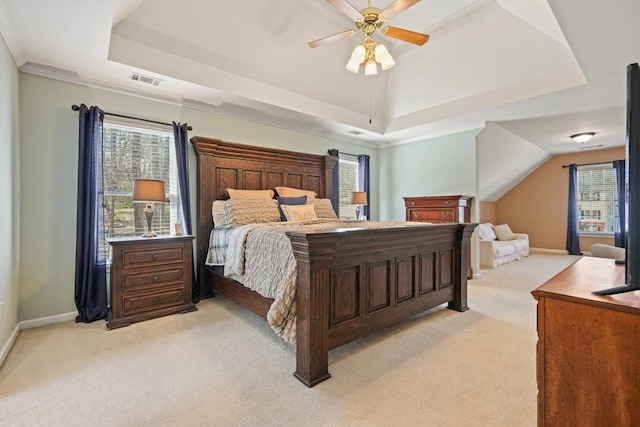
(348, 183)
(131, 152)
(598, 204)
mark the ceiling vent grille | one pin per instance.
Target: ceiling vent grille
(355, 132)
(592, 147)
(145, 79)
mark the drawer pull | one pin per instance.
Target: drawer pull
(413, 203)
(155, 278)
(446, 202)
(155, 256)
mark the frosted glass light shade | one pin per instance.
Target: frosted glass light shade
(370, 68)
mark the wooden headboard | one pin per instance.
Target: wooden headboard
(223, 165)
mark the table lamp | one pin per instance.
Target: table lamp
(359, 198)
(148, 191)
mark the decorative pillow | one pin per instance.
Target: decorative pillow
(485, 231)
(503, 232)
(324, 209)
(250, 194)
(299, 213)
(250, 211)
(295, 192)
(217, 212)
(290, 201)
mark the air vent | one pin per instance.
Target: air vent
(592, 147)
(355, 132)
(145, 79)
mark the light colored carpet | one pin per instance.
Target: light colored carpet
(223, 366)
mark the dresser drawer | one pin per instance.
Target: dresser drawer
(133, 281)
(434, 202)
(433, 215)
(151, 256)
(140, 303)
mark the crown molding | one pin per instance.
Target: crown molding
(9, 36)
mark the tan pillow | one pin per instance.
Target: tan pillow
(298, 212)
(250, 194)
(324, 209)
(503, 232)
(250, 211)
(217, 212)
(295, 192)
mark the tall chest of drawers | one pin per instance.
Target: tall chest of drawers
(150, 277)
(438, 209)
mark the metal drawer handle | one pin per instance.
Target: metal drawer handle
(155, 256)
(155, 278)
(413, 203)
(446, 202)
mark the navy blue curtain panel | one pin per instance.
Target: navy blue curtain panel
(335, 198)
(181, 139)
(573, 242)
(620, 232)
(363, 179)
(90, 277)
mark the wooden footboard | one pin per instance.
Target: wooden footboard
(355, 282)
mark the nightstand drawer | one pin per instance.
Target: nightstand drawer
(136, 257)
(139, 303)
(133, 281)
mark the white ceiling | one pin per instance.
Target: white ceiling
(541, 70)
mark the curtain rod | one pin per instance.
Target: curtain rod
(590, 164)
(74, 107)
(352, 155)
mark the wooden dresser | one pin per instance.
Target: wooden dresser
(588, 353)
(438, 209)
(150, 277)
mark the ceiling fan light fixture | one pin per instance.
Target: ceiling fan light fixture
(370, 68)
(582, 137)
(359, 54)
(353, 65)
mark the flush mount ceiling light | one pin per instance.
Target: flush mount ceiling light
(370, 19)
(583, 137)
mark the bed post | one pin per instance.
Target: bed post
(463, 235)
(312, 299)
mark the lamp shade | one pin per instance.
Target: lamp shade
(359, 198)
(148, 190)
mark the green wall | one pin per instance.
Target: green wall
(48, 162)
(48, 174)
(9, 195)
(439, 166)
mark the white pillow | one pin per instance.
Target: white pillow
(298, 212)
(485, 231)
(504, 232)
(217, 212)
(250, 211)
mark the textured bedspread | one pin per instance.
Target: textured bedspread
(261, 258)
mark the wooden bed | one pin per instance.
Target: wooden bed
(349, 283)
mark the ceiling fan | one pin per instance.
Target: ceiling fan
(368, 21)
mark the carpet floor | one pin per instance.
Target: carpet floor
(223, 366)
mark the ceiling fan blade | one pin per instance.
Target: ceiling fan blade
(396, 7)
(346, 8)
(405, 35)
(332, 38)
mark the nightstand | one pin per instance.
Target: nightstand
(150, 277)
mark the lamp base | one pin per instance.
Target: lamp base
(149, 233)
(148, 213)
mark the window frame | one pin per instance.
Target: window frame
(584, 197)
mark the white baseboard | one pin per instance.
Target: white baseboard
(550, 251)
(49, 320)
(7, 346)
